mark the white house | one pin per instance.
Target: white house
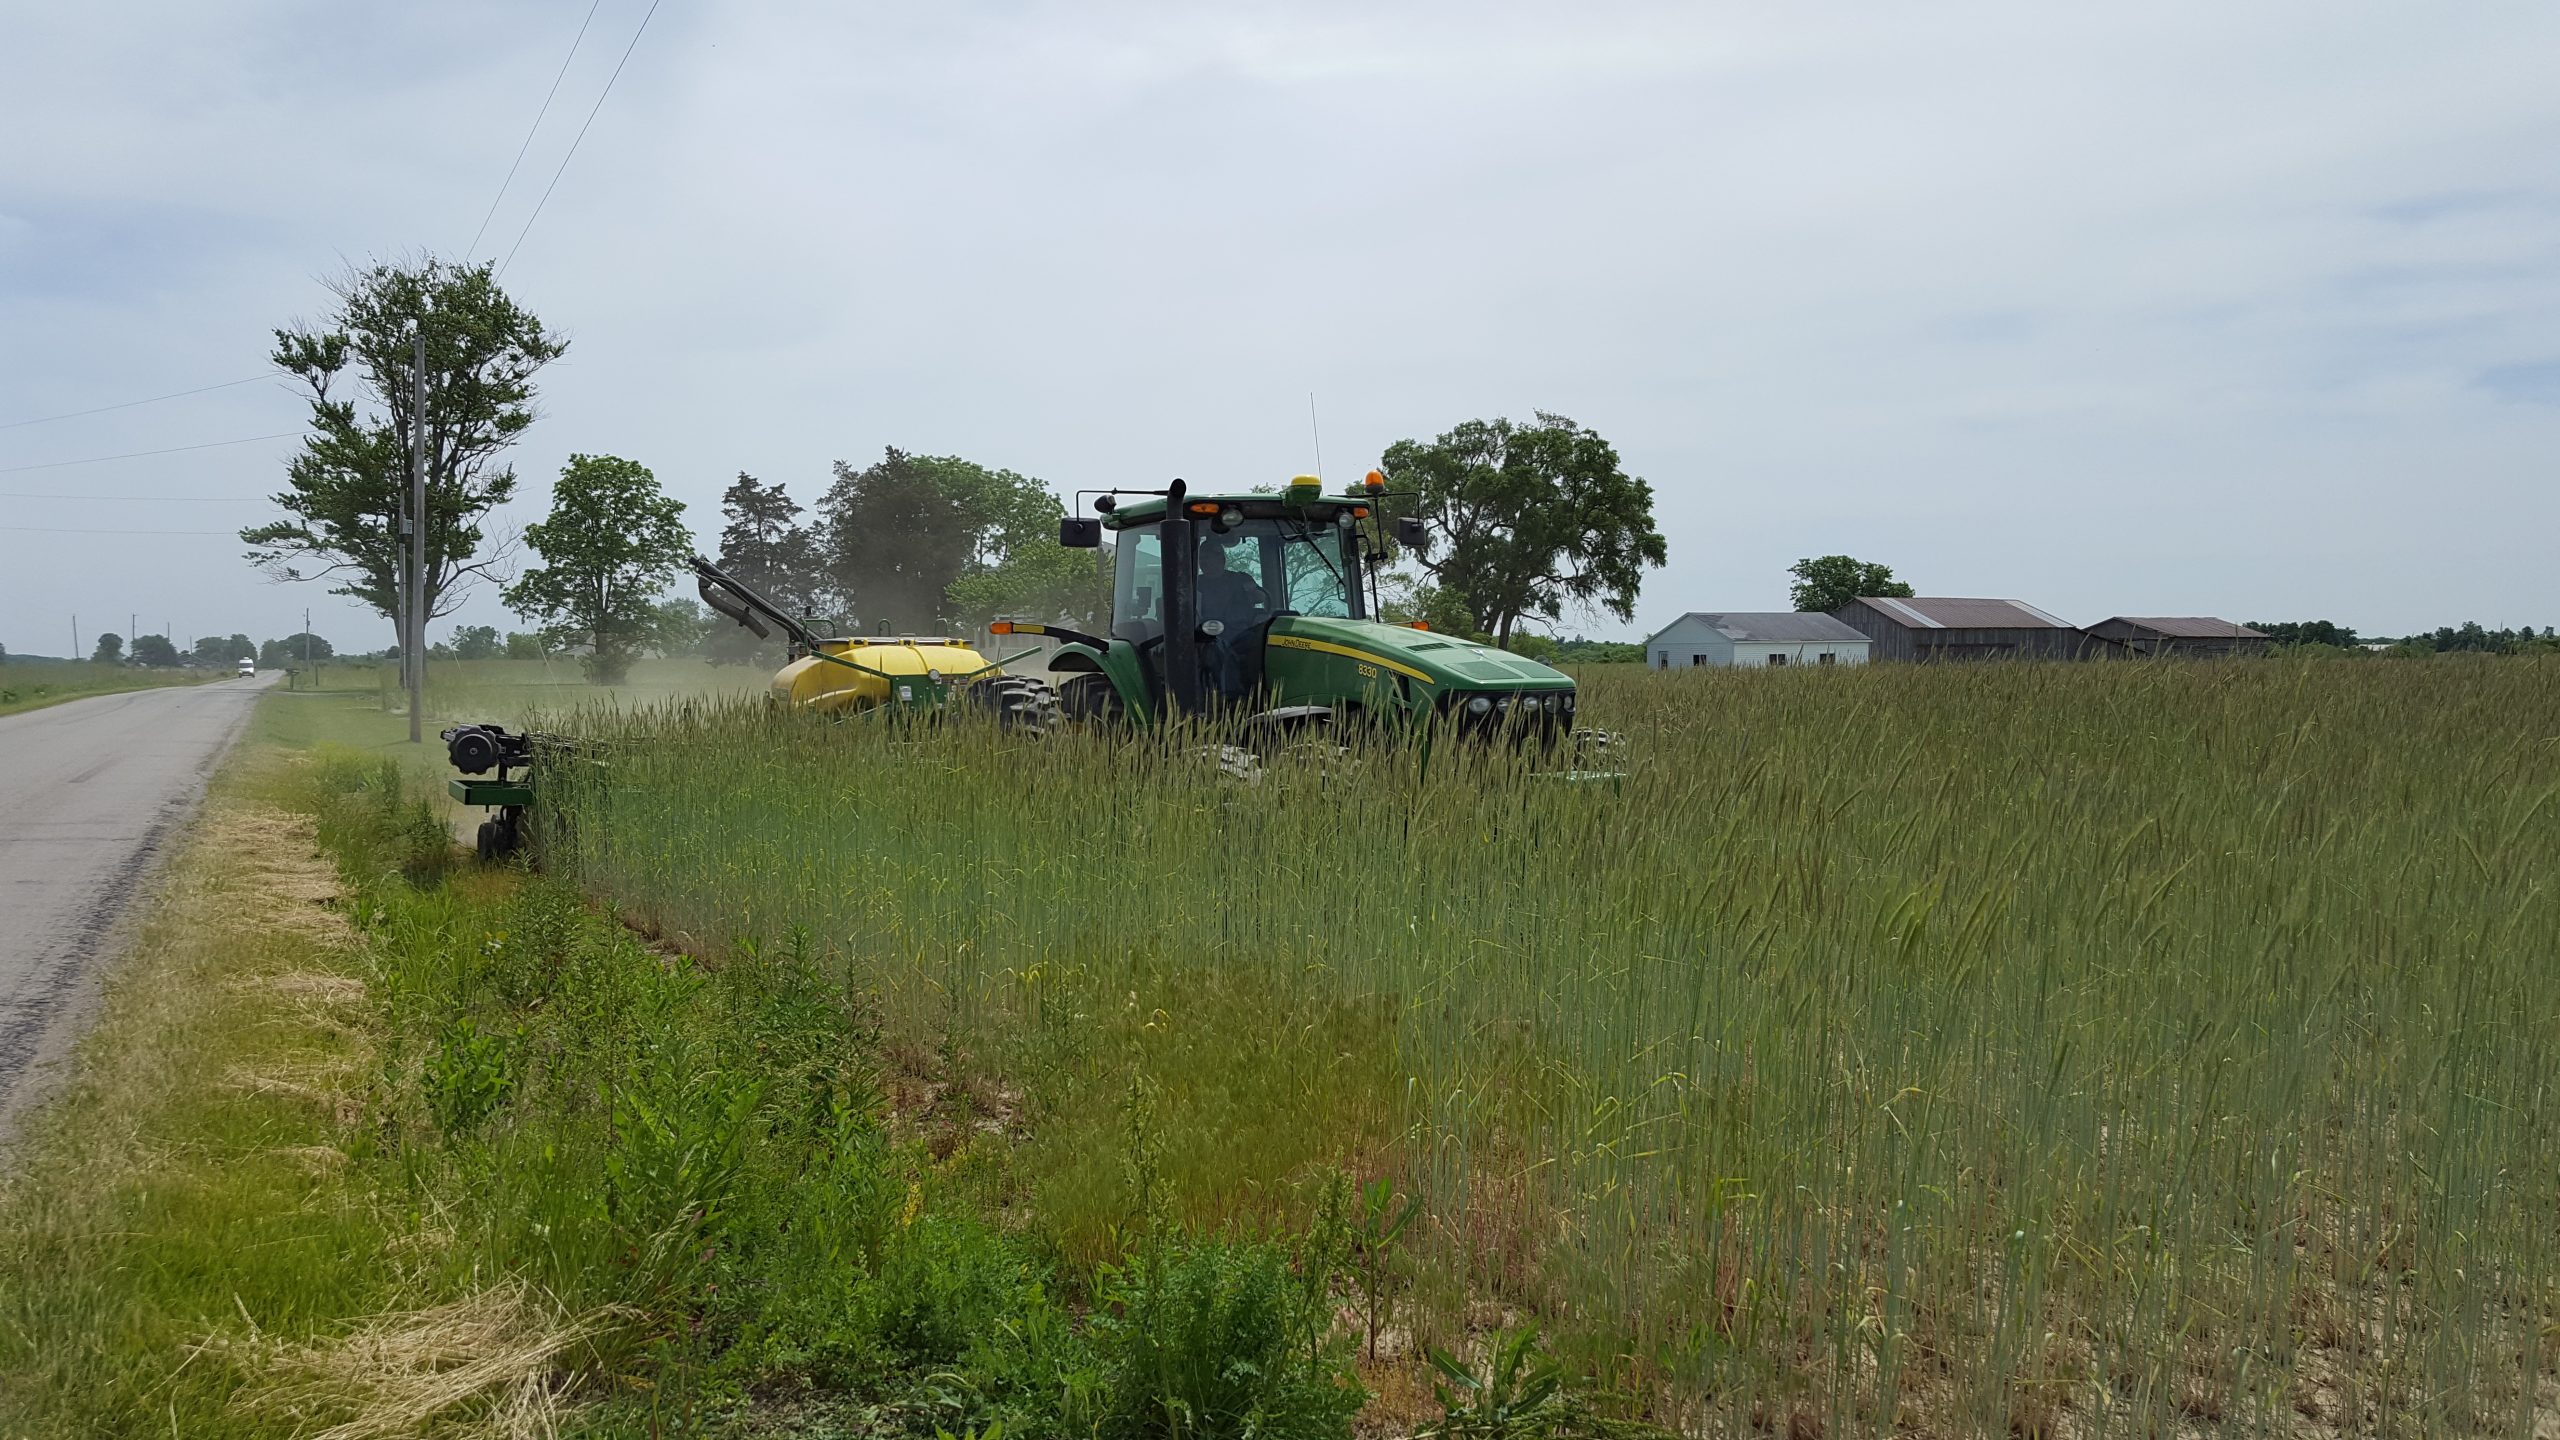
(1784, 637)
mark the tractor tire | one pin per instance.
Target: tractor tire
(1091, 699)
(1015, 702)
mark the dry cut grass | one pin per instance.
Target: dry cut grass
(486, 1364)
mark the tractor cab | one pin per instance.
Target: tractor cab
(1263, 604)
(1252, 561)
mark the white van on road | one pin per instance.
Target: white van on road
(248, 666)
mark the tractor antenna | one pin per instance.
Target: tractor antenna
(1317, 432)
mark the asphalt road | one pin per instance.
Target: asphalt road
(93, 795)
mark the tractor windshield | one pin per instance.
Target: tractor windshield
(1281, 564)
(1248, 573)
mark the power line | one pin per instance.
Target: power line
(129, 404)
(46, 530)
(155, 499)
(529, 134)
(138, 454)
(581, 137)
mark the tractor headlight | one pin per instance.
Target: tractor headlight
(1568, 702)
(1479, 706)
(1231, 517)
(1548, 704)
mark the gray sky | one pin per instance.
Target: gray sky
(2159, 309)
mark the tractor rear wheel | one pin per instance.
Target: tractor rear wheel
(1091, 699)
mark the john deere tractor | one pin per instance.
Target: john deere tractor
(1263, 607)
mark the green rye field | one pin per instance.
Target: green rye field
(2032, 1049)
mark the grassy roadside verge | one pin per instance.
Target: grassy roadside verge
(26, 687)
(366, 1145)
(202, 1127)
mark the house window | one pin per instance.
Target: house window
(1698, 659)
(1825, 658)
(1777, 659)
(1661, 659)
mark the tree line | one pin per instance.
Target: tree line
(2470, 637)
(159, 651)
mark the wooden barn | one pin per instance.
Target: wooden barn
(2191, 635)
(1943, 628)
(1755, 638)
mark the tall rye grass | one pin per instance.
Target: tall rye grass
(2100, 1049)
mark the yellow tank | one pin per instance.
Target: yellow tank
(864, 673)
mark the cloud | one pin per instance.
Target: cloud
(1876, 281)
(2460, 205)
(2534, 383)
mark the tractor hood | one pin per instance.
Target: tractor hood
(1447, 662)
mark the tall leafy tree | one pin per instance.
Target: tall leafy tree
(763, 543)
(110, 649)
(896, 537)
(892, 541)
(612, 541)
(1039, 582)
(1528, 520)
(343, 493)
(1828, 582)
(682, 626)
(292, 650)
(223, 649)
(154, 650)
(1018, 567)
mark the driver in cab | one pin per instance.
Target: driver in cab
(1232, 602)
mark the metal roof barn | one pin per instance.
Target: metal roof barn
(1932, 627)
(2191, 635)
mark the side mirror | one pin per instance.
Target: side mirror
(1411, 535)
(1077, 533)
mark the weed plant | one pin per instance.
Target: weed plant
(2124, 1048)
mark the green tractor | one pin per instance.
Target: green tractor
(1264, 607)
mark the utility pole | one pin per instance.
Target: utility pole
(75, 634)
(306, 647)
(415, 647)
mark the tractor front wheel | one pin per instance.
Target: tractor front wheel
(1015, 702)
